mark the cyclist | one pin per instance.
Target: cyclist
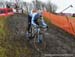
(33, 18)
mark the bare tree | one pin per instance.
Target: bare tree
(51, 7)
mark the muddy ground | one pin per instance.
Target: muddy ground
(16, 44)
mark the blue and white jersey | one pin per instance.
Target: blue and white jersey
(33, 18)
(36, 16)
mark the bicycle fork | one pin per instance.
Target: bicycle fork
(39, 36)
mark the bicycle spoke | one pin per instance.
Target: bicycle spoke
(39, 46)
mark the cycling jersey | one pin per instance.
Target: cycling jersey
(33, 19)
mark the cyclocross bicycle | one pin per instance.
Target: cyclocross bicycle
(38, 35)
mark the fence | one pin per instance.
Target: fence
(64, 22)
(6, 11)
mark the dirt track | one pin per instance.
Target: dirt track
(58, 41)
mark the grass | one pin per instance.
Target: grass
(10, 47)
(2, 28)
(2, 36)
(2, 52)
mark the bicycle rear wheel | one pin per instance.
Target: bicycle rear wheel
(40, 46)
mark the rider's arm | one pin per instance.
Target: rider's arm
(32, 21)
(43, 22)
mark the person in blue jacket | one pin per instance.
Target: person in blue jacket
(33, 17)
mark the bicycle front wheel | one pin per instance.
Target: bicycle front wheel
(40, 42)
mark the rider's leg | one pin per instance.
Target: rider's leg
(29, 25)
(29, 22)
